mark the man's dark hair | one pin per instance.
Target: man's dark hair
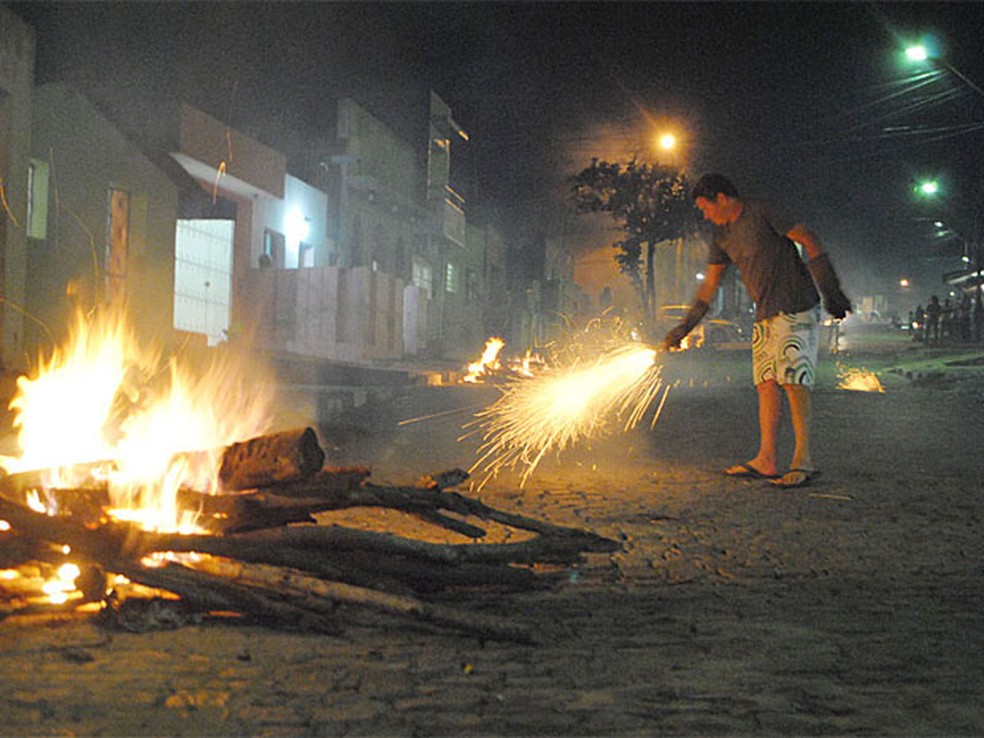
(710, 185)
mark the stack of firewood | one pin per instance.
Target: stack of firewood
(265, 557)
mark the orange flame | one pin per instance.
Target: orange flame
(105, 408)
(488, 362)
(858, 380)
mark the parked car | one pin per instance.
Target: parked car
(716, 333)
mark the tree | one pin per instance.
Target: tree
(649, 204)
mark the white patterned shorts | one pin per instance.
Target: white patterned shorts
(784, 348)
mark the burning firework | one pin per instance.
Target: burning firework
(561, 406)
(858, 379)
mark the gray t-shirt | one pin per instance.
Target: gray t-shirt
(771, 268)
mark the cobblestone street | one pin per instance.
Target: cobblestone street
(855, 605)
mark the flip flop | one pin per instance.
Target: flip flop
(744, 471)
(800, 478)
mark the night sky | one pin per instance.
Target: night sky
(804, 102)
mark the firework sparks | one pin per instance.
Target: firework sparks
(559, 407)
(858, 379)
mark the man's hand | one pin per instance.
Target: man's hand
(834, 300)
(694, 315)
(837, 304)
(675, 336)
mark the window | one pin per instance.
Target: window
(454, 218)
(305, 255)
(37, 199)
(472, 285)
(273, 249)
(452, 278)
(422, 276)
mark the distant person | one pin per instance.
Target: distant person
(759, 238)
(933, 312)
(963, 318)
(978, 317)
(946, 320)
(919, 324)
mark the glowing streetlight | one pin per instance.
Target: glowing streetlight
(903, 282)
(928, 188)
(919, 53)
(667, 141)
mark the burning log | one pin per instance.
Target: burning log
(271, 459)
(281, 458)
(16, 550)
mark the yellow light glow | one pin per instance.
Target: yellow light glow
(858, 380)
(62, 585)
(667, 142)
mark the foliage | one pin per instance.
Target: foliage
(649, 205)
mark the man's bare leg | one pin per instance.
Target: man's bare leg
(769, 408)
(801, 470)
(801, 414)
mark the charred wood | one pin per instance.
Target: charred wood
(16, 550)
(271, 459)
(317, 594)
(453, 524)
(329, 481)
(355, 565)
(102, 543)
(210, 592)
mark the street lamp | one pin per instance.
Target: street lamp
(917, 53)
(921, 53)
(667, 141)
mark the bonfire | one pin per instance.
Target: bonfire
(140, 476)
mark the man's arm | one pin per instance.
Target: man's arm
(712, 280)
(702, 303)
(818, 262)
(807, 239)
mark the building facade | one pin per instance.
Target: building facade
(17, 57)
(359, 252)
(108, 235)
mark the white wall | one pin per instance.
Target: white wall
(302, 204)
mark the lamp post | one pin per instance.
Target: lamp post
(973, 258)
(972, 275)
(921, 53)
